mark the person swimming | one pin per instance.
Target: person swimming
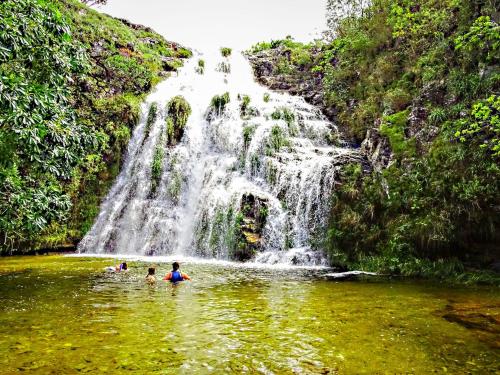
(122, 267)
(150, 278)
(176, 276)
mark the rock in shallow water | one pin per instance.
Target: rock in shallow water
(349, 275)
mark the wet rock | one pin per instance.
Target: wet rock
(419, 127)
(307, 85)
(349, 275)
(169, 64)
(377, 149)
(97, 49)
(254, 210)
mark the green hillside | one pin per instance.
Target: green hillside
(71, 82)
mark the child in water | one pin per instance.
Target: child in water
(122, 267)
(175, 275)
(150, 278)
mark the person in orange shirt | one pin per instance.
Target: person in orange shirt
(176, 276)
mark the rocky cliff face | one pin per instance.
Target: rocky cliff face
(309, 85)
(303, 83)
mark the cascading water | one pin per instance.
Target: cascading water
(250, 182)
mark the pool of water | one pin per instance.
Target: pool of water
(67, 315)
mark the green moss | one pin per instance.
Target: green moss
(152, 116)
(157, 164)
(248, 132)
(266, 97)
(178, 111)
(393, 127)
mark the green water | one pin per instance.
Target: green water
(66, 315)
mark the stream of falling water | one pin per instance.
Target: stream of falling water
(222, 169)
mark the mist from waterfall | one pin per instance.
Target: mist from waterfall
(216, 165)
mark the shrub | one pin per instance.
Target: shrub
(437, 116)
(218, 104)
(245, 110)
(266, 97)
(285, 114)
(482, 39)
(225, 51)
(482, 126)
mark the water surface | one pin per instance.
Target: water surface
(66, 315)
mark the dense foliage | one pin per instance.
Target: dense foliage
(71, 81)
(425, 77)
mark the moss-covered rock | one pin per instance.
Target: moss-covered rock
(225, 51)
(217, 106)
(178, 111)
(249, 224)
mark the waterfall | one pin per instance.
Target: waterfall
(251, 182)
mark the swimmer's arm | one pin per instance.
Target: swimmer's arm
(185, 276)
(168, 276)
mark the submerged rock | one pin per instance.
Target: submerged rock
(349, 275)
(484, 319)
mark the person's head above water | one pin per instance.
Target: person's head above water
(175, 266)
(123, 266)
(151, 271)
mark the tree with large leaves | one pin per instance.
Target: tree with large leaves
(41, 141)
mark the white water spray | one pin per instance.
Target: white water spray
(287, 168)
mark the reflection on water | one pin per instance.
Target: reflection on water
(66, 315)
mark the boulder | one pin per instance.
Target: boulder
(249, 239)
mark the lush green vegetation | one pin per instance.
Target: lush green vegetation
(69, 97)
(425, 76)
